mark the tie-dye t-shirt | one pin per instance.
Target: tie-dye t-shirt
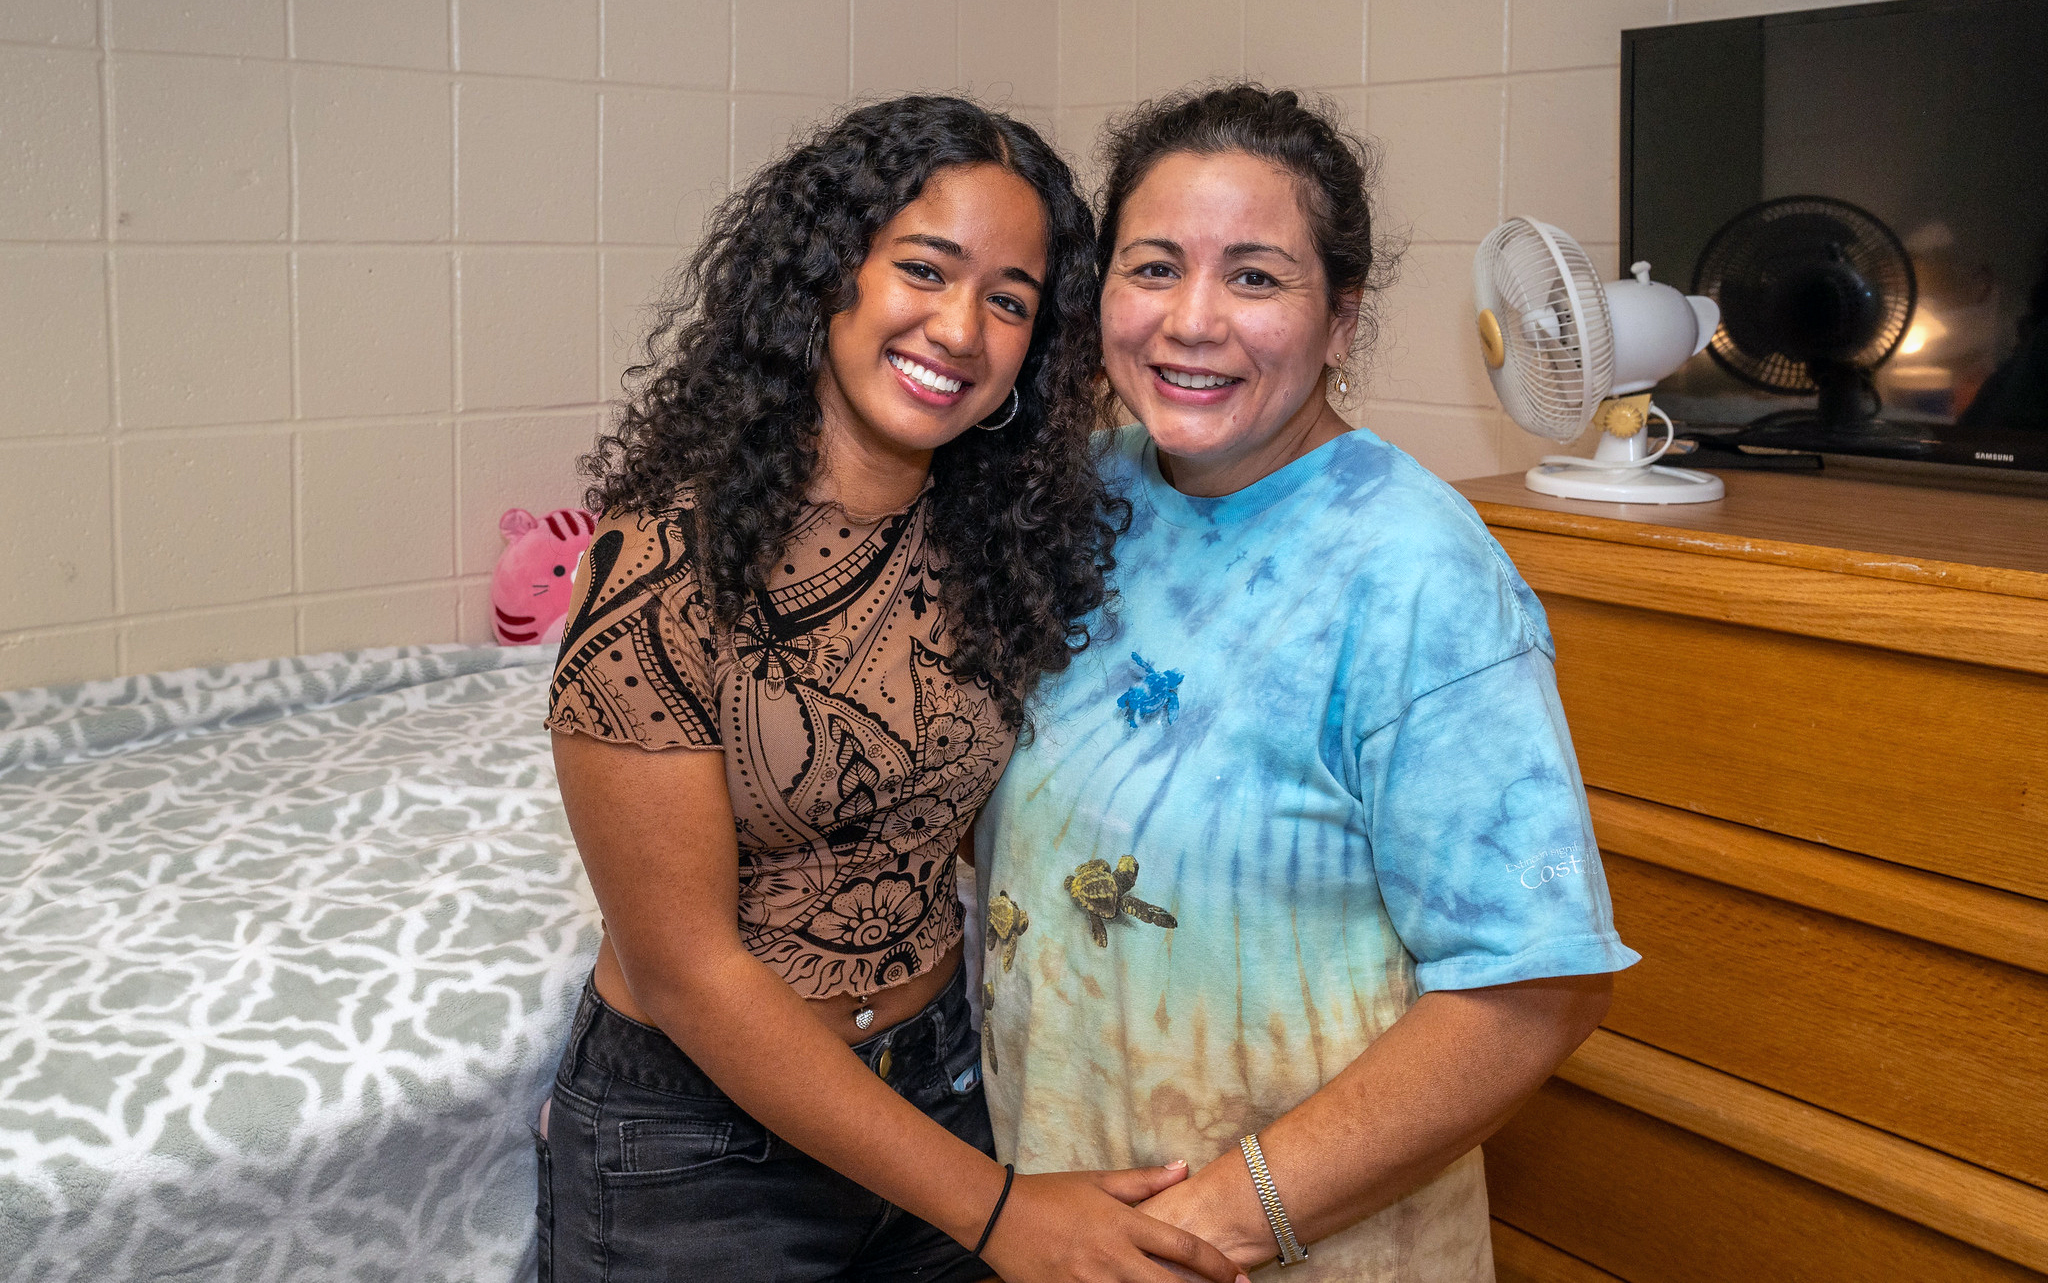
(1317, 768)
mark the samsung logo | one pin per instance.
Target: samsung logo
(1989, 457)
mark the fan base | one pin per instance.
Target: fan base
(1655, 484)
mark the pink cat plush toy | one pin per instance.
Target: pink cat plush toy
(534, 584)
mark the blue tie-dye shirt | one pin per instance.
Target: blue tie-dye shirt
(1326, 729)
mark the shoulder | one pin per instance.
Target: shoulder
(1120, 457)
(638, 558)
(639, 657)
(1419, 560)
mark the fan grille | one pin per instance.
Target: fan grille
(1559, 340)
(1742, 253)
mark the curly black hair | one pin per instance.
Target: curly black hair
(725, 402)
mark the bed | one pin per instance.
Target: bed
(290, 949)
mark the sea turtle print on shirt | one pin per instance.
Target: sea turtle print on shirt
(1326, 728)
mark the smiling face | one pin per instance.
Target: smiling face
(1217, 323)
(946, 302)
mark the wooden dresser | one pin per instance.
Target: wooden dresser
(1813, 721)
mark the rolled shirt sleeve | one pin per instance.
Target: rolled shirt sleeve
(1480, 836)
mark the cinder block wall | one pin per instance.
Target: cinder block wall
(297, 295)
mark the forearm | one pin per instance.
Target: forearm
(1448, 1074)
(745, 1027)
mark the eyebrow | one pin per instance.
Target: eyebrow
(1155, 242)
(1239, 249)
(1243, 248)
(954, 249)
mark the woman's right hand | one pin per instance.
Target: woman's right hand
(1080, 1227)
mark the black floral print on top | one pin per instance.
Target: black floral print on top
(854, 758)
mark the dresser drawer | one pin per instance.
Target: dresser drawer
(1926, 762)
(1654, 1203)
(1922, 1041)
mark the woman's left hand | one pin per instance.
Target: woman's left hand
(1219, 1204)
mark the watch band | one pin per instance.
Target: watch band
(1291, 1250)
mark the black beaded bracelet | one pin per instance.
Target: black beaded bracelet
(1009, 1175)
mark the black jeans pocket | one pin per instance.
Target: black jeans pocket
(648, 1137)
(652, 1146)
(544, 1206)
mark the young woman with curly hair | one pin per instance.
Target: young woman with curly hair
(851, 518)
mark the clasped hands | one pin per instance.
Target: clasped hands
(1220, 1205)
(1142, 1225)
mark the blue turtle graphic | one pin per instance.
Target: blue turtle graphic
(1160, 692)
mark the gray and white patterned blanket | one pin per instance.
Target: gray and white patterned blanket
(287, 952)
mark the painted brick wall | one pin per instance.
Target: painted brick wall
(297, 295)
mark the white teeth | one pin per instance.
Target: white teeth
(930, 378)
(1195, 381)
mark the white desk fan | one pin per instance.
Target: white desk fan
(1564, 351)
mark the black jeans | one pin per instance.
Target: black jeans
(649, 1171)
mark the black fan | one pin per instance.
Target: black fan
(1815, 294)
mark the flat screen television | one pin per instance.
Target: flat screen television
(1931, 116)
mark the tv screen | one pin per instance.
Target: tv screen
(1931, 116)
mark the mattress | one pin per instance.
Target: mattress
(289, 951)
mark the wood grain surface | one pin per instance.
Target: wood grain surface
(1814, 720)
(2002, 1216)
(1941, 1047)
(1654, 1203)
(1924, 762)
(1962, 915)
(1518, 1258)
(1918, 618)
(1915, 534)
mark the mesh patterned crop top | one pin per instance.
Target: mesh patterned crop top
(854, 759)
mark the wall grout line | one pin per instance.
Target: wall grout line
(455, 511)
(298, 443)
(292, 332)
(317, 246)
(1488, 78)
(109, 217)
(454, 162)
(279, 427)
(1500, 201)
(174, 614)
(414, 605)
(291, 125)
(344, 65)
(1364, 43)
(1059, 63)
(732, 80)
(604, 105)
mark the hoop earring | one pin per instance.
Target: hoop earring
(811, 348)
(1016, 400)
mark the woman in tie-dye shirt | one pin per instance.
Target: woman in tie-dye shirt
(1301, 850)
